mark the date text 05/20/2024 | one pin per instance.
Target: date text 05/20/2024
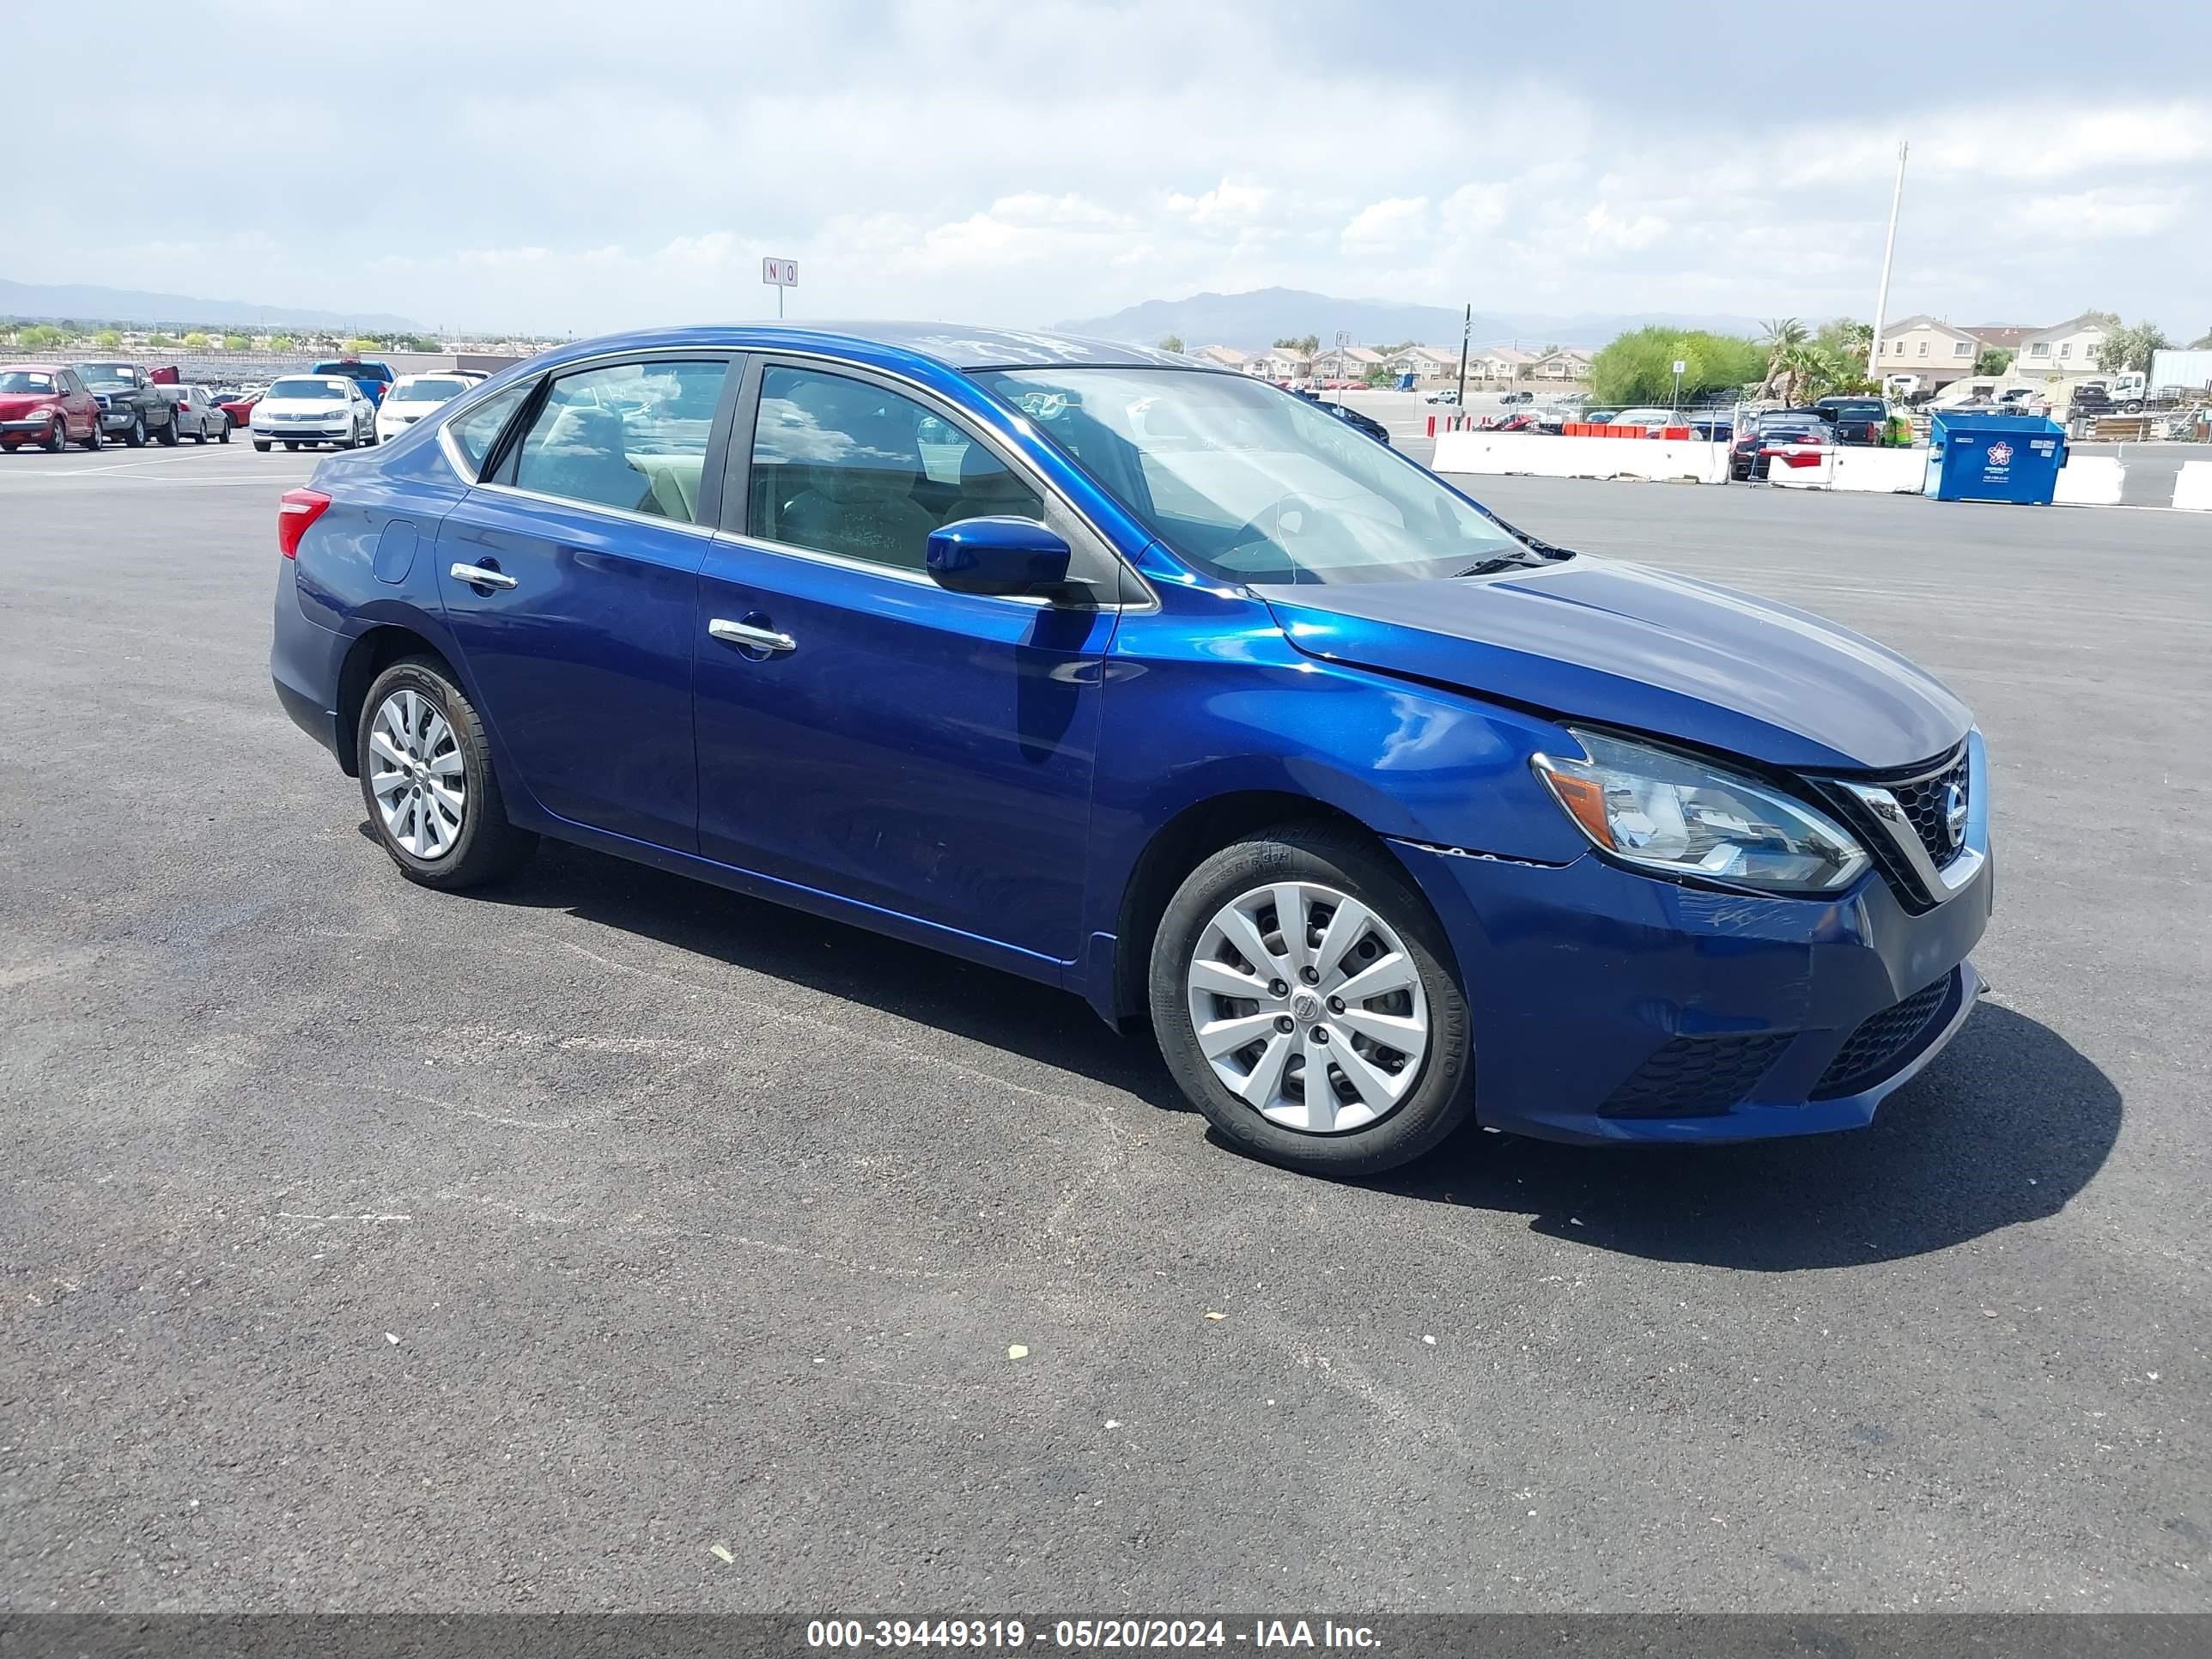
(1086, 1634)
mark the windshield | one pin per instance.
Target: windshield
(108, 373)
(427, 391)
(1250, 483)
(20, 379)
(315, 391)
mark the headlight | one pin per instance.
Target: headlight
(1668, 812)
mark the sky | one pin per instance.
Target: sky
(558, 167)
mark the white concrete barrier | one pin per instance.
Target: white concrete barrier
(2090, 481)
(2192, 487)
(1883, 471)
(1536, 454)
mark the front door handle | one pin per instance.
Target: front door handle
(478, 576)
(760, 639)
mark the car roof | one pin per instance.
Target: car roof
(955, 346)
(40, 368)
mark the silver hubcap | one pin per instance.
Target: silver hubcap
(1308, 1007)
(416, 775)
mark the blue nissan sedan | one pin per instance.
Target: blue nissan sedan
(1157, 684)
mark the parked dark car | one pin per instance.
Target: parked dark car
(131, 406)
(1749, 456)
(374, 378)
(1146, 682)
(1352, 418)
(1524, 396)
(1861, 421)
(46, 404)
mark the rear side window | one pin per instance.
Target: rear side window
(632, 437)
(842, 466)
(476, 432)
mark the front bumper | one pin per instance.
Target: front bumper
(304, 432)
(32, 426)
(119, 418)
(1611, 1006)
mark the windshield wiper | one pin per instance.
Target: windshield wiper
(1501, 562)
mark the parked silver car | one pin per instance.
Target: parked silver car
(199, 414)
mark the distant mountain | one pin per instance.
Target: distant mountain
(83, 302)
(1265, 315)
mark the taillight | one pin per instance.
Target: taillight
(295, 510)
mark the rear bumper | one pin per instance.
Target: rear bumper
(1608, 1006)
(306, 661)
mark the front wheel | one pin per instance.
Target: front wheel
(261, 444)
(1303, 999)
(222, 436)
(199, 433)
(136, 437)
(426, 775)
(56, 437)
(92, 436)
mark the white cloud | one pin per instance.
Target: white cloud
(1386, 225)
(560, 173)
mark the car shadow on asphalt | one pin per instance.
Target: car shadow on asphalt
(2006, 1126)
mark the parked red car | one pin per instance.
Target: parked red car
(46, 404)
(240, 410)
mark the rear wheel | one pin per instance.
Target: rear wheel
(199, 433)
(1303, 997)
(262, 444)
(169, 435)
(426, 775)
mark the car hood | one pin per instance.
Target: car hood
(1628, 646)
(336, 408)
(15, 405)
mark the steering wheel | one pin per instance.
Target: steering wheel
(1257, 528)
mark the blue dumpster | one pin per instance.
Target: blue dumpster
(1976, 456)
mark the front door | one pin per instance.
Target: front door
(861, 731)
(570, 579)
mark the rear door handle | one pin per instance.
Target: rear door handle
(477, 576)
(760, 639)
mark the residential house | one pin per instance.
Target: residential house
(1221, 356)
(2064, 351)
(1279, 363)
(1567, 363)
(1426, 363)
(2001, 336)
(1506, 363)
(1349, 362)
(1929, 348)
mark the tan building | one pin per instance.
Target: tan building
(1924, 345)
(1567, 363)
(1222, 356)
(2067, 351)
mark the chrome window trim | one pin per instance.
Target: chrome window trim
(654, 519)
(1880, 809)
(917, 578)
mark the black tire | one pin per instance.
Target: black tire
(169, 435)
(199, 433)
(223, 436)
(1442, 1095)
(488, 847)
(261, 444)
(56, 436)
(92, 437)
(136, 437)
(288, 444)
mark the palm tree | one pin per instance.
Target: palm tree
(1784, 337)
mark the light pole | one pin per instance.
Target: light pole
(1888, 252)
(1466, 333)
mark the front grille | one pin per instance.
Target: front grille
(1869, 1053)
(1927, 802)
(1695, 1076)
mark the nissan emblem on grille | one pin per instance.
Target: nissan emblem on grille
(1954, 815)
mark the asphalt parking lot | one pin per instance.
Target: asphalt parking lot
(612, 1241)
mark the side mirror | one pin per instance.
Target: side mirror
(997, 555)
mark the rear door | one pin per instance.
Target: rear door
(570, 579)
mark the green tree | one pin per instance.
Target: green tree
(2203, 342)
(2129, 348)
(196, 341)
(161, 342)
(1172, 343)
(282, 343)
(40, 337)
(236, 342)
(358, 345)
(1846, 336)
(1639, 367)
(1993, 360)
(1783, 338)
(1379, 375)
(108, 339)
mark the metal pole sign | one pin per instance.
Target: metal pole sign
(780, 274)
